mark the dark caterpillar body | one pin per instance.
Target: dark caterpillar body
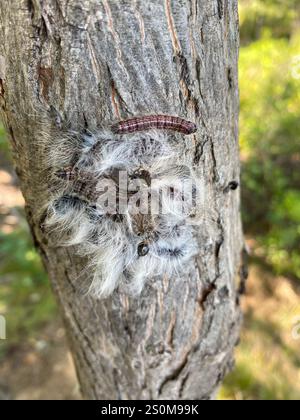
(159, 122)
(68, 173)
(82, 183)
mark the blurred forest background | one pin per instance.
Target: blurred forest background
(35, 363)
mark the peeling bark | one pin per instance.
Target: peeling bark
(97, 61)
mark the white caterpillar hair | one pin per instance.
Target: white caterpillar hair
(127, 246)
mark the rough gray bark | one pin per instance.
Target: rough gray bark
(97, 61)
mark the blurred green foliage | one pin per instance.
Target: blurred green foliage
(25, 295)
(4, 148)
(267, 363)
(270, 131)
(275, 17)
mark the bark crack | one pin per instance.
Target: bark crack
(220, 8)
(208, 290)
(115, 36)
(172, 29)
(199, 150)
(174, 374)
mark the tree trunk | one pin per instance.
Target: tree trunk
(103, 60)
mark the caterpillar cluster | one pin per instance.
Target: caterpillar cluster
(118, 196)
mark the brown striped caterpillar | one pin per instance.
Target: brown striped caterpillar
(159, 122)
(125, 198)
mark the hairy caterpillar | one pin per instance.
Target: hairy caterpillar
(125, 199)
(159, 122)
